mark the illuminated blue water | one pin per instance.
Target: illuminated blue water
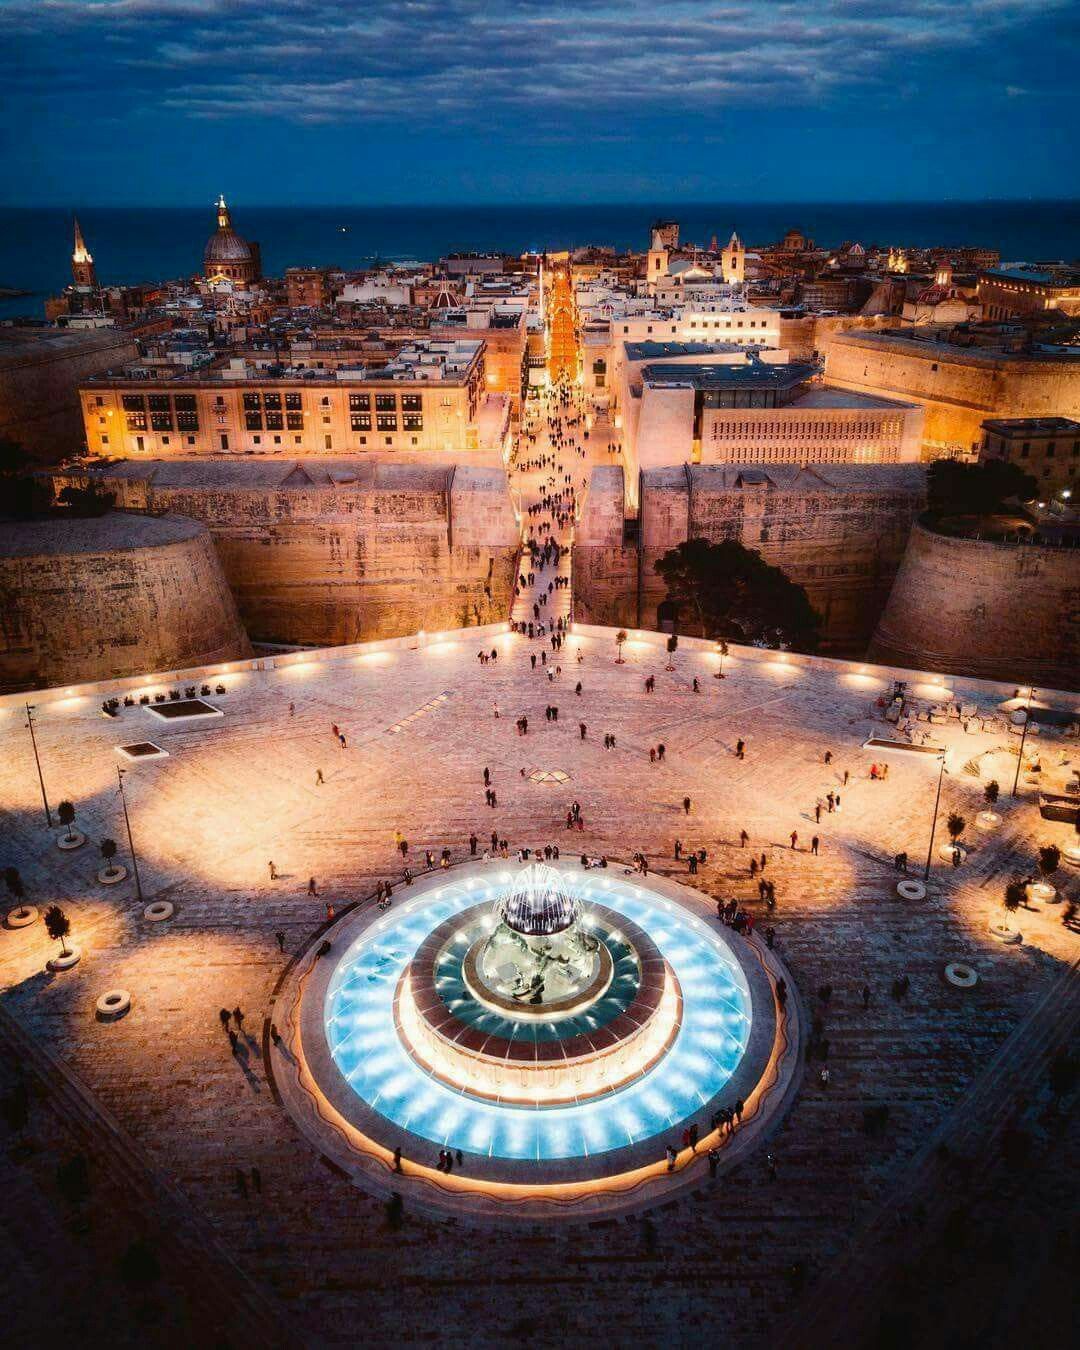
(715, 1026)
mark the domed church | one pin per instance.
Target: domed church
(228, 255)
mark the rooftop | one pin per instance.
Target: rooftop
(753, 375)
(653, 351)
(1032, 426)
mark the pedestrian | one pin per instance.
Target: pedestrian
(319, 780)
(472, 845)
(292, 709)
(828, 756)
(581, 730)
(487, 777)
(273, 871)
(686, 805)
(794, 839)
(652, 754)
(329, 912)
(714, 1161)
(847, 775)
(312, 889)
(397, 1158)
(280, 935)
(770, 1164)
(814, 845)
(770, 937)
(224, 1015)
(817, 812)
(672, 1158)
(900, 862)
(678, 850)
(744, 839)
(740, 749)
(661, 751)
(344, 743)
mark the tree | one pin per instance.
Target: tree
(66, 813)
(672, 647)
(1014, 897)
(58, 926)
(955, 489)
(991, 792)
(737, 595)
(86, 502)
(620, 638)
(108, 852)
(1049, 860)
(722, 651)
(24, 494)
(14, 883)
(956, 824)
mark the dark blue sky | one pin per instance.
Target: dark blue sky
(292, 101)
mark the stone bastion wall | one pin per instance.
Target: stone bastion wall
(1000, 611)
(84, 600)
(322, 552)
(838, 530)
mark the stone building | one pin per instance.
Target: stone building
(307, 287)
(122, 594)
(227, 255)
(839, 531)
(1001, 611)
(40, 373)
(959, 386)
(1046, 447)
(328, 551)
(1013, 292)
(428, 399)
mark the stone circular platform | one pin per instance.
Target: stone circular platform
(341, 1071)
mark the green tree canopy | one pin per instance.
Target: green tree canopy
(955, 489)
(735, 594)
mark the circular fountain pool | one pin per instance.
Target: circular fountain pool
(560, 1040)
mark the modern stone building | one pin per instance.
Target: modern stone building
(838, 530)
(959, 386)
(40, 373)
(329, 551)
(122, 594)
(1002, 611)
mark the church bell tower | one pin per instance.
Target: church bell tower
(82, 263)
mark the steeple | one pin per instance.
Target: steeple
(733, 261)
(224, 221)
(82, 262)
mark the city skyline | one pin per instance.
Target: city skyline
(827, 101)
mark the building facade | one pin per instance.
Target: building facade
(1046, 447)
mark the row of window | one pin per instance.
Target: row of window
(137, 403)
(804, 430)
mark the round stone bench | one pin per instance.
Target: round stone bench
(988, 820)
(112, 1004)
(71, 840)
(909, 889)
(962, 975)
(1041, 891)
(109, 876)
(22, 917)
(945, 852)
(65, 961)
(158, 911)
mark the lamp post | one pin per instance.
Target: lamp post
(1023, 738)
(933, 823)
(131, 842)
(37, 761)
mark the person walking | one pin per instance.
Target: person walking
(319, 780)
(744, 839)
(280, 935)
(273, 871)
(312, 889)
(686, 805)
(814, 843)
(740, 749)
(224, 1016)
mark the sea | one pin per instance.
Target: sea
(133, 244)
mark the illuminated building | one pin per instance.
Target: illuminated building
(227, 255)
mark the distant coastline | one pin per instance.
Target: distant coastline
(137, 244)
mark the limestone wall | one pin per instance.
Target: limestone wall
(40, 371)
(1001, 611)
(326, 552)
(96, 599)
(958, 386)
(840, 531)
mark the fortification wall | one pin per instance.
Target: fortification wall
(958, 386)
(86, 600)
(40, 373)
(323, 556)
(999, 611)
(840, 531)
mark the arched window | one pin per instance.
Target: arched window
(667, 616)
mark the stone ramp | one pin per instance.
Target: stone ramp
(233, 1311)
(843, 1307)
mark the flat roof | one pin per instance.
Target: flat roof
(649, 350)
(1065, 279)
(753, 375)
(1031, 426)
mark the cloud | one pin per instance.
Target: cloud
(464, 61)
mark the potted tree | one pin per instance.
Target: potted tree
(956, 825)
(112, 872)
(672, 648)
(721, 651)
(1049, 862)
(58, 926)
(620, 638)
(1014, 897)
(23, 914)
(989, 819)
(71, 838)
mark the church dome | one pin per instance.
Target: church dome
(225, 246)
(538, 904)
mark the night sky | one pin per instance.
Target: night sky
(150, 102)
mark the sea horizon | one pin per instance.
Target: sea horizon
(134, 244)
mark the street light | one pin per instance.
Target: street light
(131, 842)
(1023, 738)
(933, 822)
(37, 761)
